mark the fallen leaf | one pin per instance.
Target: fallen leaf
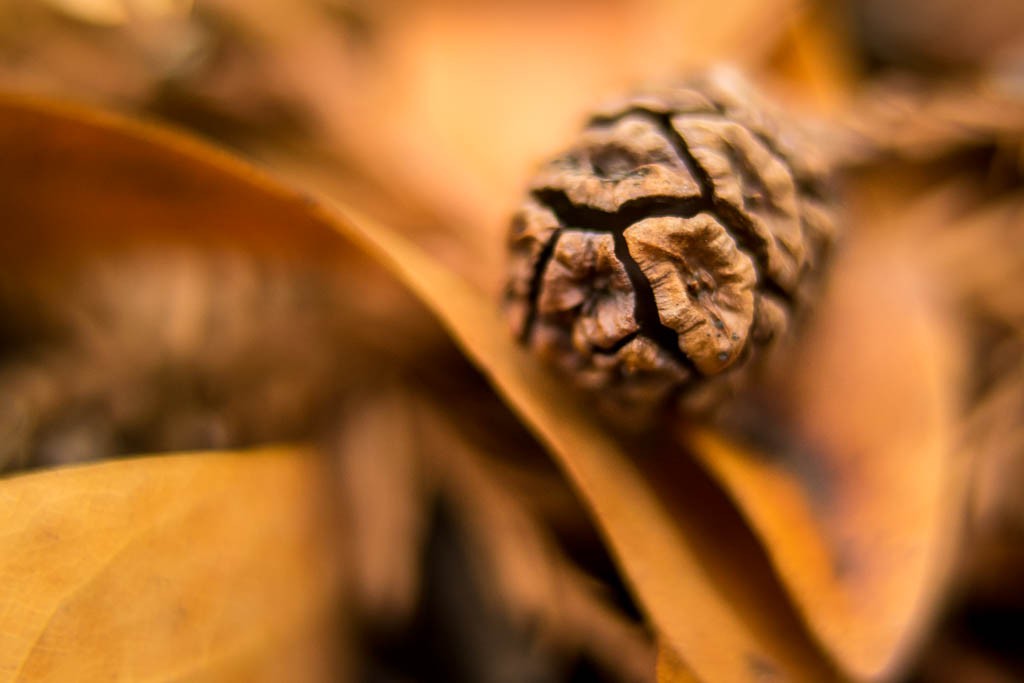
(199, 566)
(671, 669)
(859, 508)
(58, 156)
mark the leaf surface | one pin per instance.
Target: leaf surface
(190, 567)
(670, 668)
(859, 507)
(78, 182)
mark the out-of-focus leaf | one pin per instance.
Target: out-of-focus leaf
(80, 187)
(815, 61)
(922, 121)
(62, 164)
(971, 250)
(860, 510)
(671, 669)
(203, 567)
(101, 12)
(113, 12)
(939, 33)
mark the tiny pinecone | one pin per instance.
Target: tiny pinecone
(663, 256)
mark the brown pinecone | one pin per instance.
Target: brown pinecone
(666, 251)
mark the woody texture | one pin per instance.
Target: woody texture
(663, 256)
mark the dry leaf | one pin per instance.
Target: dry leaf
(860, 510)
(671, 668)
(189, 567)
(951, 33)
(56, 156)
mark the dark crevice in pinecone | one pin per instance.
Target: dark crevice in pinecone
(742, 231)
(733, 220)
(663, 121)
(805, 185)
(616, 347)
(811, 188)
(737, 224)
(682, 148)
(647, 317)
(535, 284)
(583, 217)
(575, 216)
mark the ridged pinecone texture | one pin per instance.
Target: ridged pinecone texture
(662, 257)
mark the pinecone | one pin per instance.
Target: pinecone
(661, 257)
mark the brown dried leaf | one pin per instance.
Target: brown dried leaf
(923, 120)
(939, 33)
(860, 510)
(62, 163)
(986, 275)
(671, 669)
(165, 569)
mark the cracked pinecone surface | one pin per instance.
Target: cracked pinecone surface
(661, 257)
